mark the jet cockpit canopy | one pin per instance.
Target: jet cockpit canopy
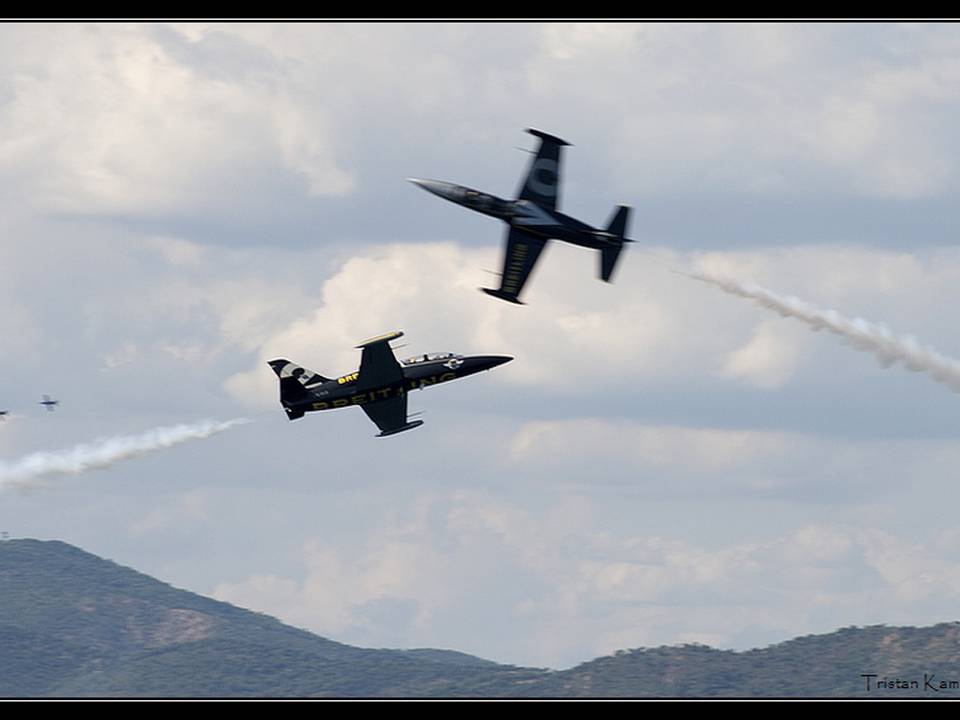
(429, 357)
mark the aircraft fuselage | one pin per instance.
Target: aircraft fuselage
(522, 214)
(417, 374)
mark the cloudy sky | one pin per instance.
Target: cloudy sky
(662, 463)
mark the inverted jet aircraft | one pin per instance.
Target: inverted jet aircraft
(379, 387)
(49, 403)
(533, 219)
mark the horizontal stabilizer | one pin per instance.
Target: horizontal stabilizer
(408, 426)
(608, 260)
(618, 223)
(503, 296)
(614, 235)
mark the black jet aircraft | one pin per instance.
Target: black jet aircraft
(48, 402)
(379, 387)
(533, 219)
(3, 414)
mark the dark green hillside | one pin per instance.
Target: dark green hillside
(73, 624)
(830, 665)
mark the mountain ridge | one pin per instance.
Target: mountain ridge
(73, 624)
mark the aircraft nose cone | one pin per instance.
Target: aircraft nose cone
(433, 186)
(488, 362)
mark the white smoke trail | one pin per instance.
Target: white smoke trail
(104, 453)
(864, 335)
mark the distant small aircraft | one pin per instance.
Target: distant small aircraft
(379, 387)
(48, 402)
(3, 414)
(533, 219)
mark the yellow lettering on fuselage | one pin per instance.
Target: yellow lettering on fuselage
(433, 380)
(348, 378)
(381, 393)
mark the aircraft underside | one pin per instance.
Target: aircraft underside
(533, 219)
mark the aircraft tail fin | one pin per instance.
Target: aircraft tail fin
(615, 232)
(295, 383)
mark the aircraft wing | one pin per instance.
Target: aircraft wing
(542, 182)
(522, 252)
(390, 415)
(378, 366)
